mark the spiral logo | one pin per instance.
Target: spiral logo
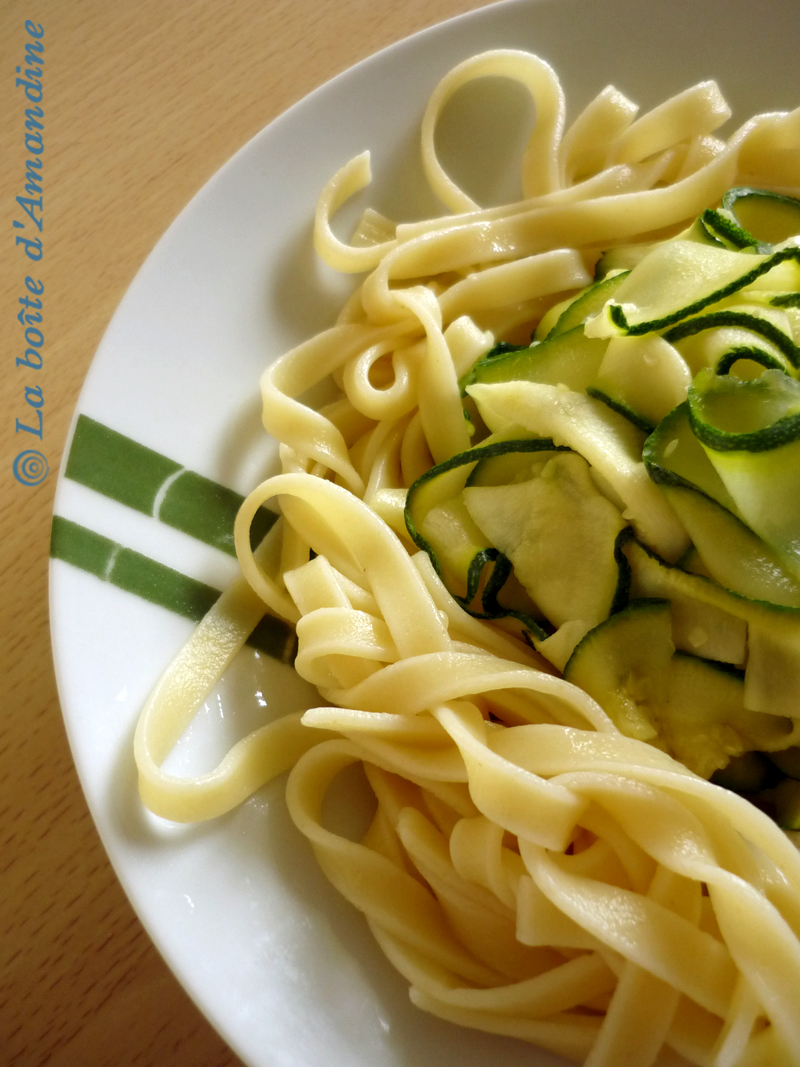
(31, 467)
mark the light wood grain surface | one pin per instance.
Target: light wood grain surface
(145, 99)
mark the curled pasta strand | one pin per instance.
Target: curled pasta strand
(405, 605)
(511, 283)
(464, 627)
(771, 155)
(642, 1007)
(736, 1032)
(392, 401)
(568, 1034)
(385, 474)
(439, 399)
(611, 181)
(766, 953)
(604, 220)
(693, 113)
(478, 854)
(584, 147)
(676, 951)
(387, 894)
(174, 701)
(567, 985)
(346, 182)
(414, 684)
(299, 426)
(526, 805)
(415, 457)
(540, 171)
(336, 634)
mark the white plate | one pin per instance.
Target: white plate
(277, 961)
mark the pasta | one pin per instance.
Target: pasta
(530, 869)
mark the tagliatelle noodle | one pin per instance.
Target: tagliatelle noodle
(528, 869)
(541, 169)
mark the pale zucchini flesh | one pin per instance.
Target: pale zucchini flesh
(604, 438)
(559, 534)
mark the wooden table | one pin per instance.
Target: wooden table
(144, 100)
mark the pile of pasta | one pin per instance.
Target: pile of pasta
(529, 870)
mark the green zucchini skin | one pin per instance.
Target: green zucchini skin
(731, 233)
(587, 303)
(715, 319)
(569, 357)
(637, 420)
(773, 388)
(786, 300)
(559, 532)
(756, 355)
(684, 463)
(620, 320)
(775, 214)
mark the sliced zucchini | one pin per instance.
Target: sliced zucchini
(704, 721)
(691, 563)
(698, 627)
(772, 673)
(769, 217)
(729, 415)
(759, 321)
(723, 225)
(692, 707)
(434, 507)
(445, 481)
(679, 279)
(604, 438)
(621, 408)
(558, 647)
(750, 431)
(718, 341)
(551, 317)
(559, 534)
(673, 456)
(624, 664)
(455, 539)
(571, 358)
(509, 468)
(587, 303)
(644, 375)
(733, 555)
(748, 362)
(785, 300)
(701, 233)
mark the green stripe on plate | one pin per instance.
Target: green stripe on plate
(152, 581)
(120, 468)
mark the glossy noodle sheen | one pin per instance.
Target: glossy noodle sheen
(530, 870)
